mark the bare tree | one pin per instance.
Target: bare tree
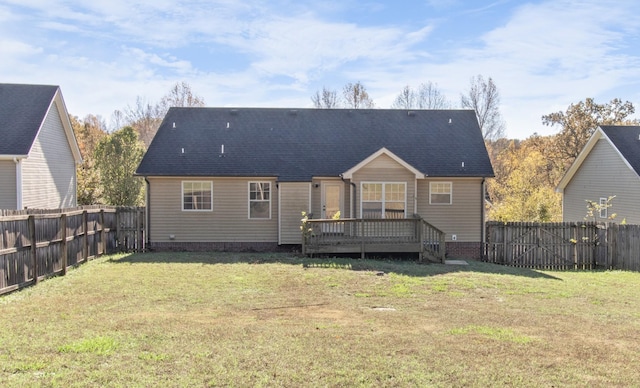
(180, 95)
(327, 99)
(428, 96)
(356, 96)
(406, 99)
(146, 117)
(484, 98)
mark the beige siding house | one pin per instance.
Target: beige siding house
(608, 166)
(239, 179)
(38, 152)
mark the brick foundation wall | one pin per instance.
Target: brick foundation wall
(464, 250)
(221, 247)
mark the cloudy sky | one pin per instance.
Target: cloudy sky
(542, 55)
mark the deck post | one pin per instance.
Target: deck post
(362, 238)
(420, 239)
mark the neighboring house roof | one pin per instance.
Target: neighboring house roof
(625, 139)
(298, 144)
(23, 109)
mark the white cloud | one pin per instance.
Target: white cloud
(543, 56)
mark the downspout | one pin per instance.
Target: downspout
(415, 197)
(353, 197)
(147, 215)
(483, 229)
(18, 163)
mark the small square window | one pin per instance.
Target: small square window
(440, 193)
(197, 195)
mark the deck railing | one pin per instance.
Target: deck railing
(374, 235)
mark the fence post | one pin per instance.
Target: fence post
(85, 243)
(103, 234)
(34, 250)
(140, 229)
(63, 230)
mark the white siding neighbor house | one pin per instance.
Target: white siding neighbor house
(38, 150)
(608, 166)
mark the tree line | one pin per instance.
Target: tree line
(111, 158)
(526, 171)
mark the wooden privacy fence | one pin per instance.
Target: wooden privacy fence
(39, 243)
(564, 245)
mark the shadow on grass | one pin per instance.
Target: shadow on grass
(401, 267)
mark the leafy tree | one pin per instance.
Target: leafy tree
(117, 156)
(327, 99)
(356, 97)
(580, 121)
(88, 132)
(428, 96)
(484, 98)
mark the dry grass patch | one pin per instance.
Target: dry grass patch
(276, 320)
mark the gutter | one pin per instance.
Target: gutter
(147, 216)
(18, 163)
(14, 158)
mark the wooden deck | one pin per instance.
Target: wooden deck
(374, 236)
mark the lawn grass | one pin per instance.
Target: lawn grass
(218, 319)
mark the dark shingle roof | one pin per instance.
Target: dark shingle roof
(296, 144)
(626, 138)
(22, 111)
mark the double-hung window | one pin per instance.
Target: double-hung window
(603, 208)
(383, 200)
(259, 200)
(197, 195)
(440, 193)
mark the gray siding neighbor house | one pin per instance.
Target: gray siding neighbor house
(609, 165)
(239, 178)
(38, 150)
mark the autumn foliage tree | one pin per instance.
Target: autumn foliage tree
(521, 190)
(88, 132)
(580, 121)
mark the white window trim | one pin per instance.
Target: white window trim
(249, 200)
(383, 194)
(603, 212)
(182, 196)
(450, 193)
